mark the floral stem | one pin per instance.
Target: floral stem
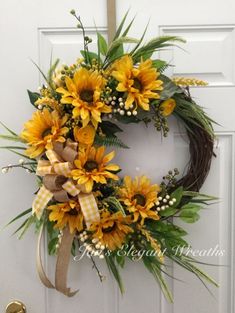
(101, 277)
(21, 166)
(84, 37)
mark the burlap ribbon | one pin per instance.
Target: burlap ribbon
(62, 264)
(57, 184)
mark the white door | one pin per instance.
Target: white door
(31, 30)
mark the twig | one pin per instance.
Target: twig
(101, 277)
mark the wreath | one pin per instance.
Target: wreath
(83, 202)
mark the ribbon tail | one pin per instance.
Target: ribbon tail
(42, 198)
(62, 264)
(42, 275)
(89, 208)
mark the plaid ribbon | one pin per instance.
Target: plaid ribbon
(89, 208)
(55, 165)
(43, 197)
(71, 188)
(87, 202)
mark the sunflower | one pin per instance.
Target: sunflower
(91, 166)
(44, 128)
(112, 229)
(84, 93)
(139, 83)
(67, 213)
(139, 196)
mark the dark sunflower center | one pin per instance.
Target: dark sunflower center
(137, 84)
(109, 229)
(46, 132)
(91, 165)
(73, 212)
(87, 95)
(140, 199)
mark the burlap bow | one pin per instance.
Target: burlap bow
(57, 184)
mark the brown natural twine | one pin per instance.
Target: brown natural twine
(201, 152)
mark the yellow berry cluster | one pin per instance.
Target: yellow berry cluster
(184, 82)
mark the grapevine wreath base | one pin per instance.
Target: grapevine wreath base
(82, 201)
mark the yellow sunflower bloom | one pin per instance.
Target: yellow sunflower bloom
(91, 166)
(167, 106)
(140, 83)
(139, 196)
(67, 214)
(42, 130)
(112, 229)
(84, 92)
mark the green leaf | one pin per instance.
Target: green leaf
(169, 88)
(168, 212)
(102, 44)
(40, 222)
(120, 260)
(113, 268)
(188, 213)
(174, 242)
(161, 66)
(177, 194)
(52, 245)
(128, 119)
(109, 128)
(174, 230)
(202, 196)
(191, 207)
(189, 217)
(114, 202)
(110, 141)
(52, 232)
(91, 55)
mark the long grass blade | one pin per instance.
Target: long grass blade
(8, 129)
(11, 138)
(12, 147)
(26, 226)
(120, 27)
(20, 154)
(113, 268)
(20, 227)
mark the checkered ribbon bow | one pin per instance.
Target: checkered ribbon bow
(57, 184)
